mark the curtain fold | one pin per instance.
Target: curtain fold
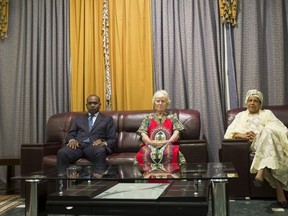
(131, 54)
(86, 52)
(43, 65)
(230, 72)
(260, 44)
(188, 50)
(34, 71)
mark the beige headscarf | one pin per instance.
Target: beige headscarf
(255, 93)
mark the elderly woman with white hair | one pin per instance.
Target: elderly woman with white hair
(160, 133)
(268, 137)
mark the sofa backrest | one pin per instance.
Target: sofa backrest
(281, 112)
(127, 123)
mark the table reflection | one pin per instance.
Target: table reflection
(91, 171)
(158, 172)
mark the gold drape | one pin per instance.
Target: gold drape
(228, 11)
(3, 18)
(86, 52)
(130, 53)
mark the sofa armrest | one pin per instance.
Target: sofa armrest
(235, 147)
(237, 151)
(195, 151)
(33, 153)
(31, 158)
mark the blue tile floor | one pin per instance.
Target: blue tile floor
(236, 208)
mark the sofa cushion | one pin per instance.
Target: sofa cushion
(115, 158)
(128, 142)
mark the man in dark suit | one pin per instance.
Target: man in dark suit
(91, 136)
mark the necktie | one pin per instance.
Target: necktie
(90, 121)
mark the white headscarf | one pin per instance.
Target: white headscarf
(255, 93)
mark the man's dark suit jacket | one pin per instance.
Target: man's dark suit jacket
(103, 128)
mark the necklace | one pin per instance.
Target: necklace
(159, 117)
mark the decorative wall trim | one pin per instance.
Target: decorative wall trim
(3, 18)
(228, 11)
(105, 30)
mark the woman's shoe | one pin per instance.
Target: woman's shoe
(282, 204)
(258, 182)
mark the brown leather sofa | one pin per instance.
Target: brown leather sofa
(238, 152)
(42, 156)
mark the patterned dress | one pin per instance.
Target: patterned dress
(160, 129)
(270, 145)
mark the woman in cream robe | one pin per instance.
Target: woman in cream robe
(268, 136)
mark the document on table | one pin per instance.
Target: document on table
(134, 191)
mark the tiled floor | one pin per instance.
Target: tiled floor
(255, 208)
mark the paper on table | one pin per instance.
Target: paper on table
(134, 191)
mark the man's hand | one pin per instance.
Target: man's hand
(73, 144)
(99, 143)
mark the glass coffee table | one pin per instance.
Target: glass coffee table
(129, 189)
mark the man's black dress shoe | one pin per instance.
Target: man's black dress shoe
(282, 204)
(258, 182)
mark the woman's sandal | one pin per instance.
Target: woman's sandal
(258, 182)
(282, 204)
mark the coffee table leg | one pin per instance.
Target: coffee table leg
(32, 208)
(220, 205)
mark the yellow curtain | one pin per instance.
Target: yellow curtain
(88, 75)
(131, 54)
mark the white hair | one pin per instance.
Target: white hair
(161, 93)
